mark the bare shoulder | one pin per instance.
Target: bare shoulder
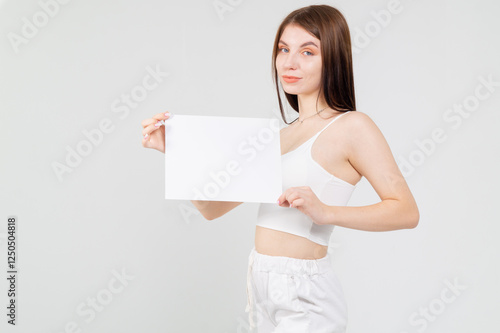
(359, 120)
(360, 127)
(367, 149)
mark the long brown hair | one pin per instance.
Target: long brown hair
(337, 80)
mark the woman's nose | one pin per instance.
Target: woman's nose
(290, 61)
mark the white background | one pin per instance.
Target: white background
(189, 275)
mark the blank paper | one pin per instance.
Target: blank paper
(222, 159)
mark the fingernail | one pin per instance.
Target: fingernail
(145, 136)
(157, 124)
(279, 203)
(167, 114)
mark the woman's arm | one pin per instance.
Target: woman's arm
(214, 209)
(370, 155)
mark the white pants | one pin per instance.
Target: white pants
(290, 295)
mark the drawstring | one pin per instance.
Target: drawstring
(249, 307)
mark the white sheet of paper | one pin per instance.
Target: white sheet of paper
(222, 159)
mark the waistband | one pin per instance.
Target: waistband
(287, 265)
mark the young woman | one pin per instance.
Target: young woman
(291, 283)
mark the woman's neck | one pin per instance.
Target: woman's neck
(310, 105)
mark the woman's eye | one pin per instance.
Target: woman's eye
(283, 49)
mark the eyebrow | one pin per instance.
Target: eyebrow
(305, 44)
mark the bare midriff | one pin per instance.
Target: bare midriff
(279, 243)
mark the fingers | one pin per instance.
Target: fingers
(151, 124)
(286, 198)
(147, 131)
(291, 195)
(151, 128)
(146, 135)
(145, 141)
(155, 118)
(297, 202)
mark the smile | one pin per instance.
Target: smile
(290, 79)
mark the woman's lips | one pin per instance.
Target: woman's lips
(290, 79)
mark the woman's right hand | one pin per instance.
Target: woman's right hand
(154, 136)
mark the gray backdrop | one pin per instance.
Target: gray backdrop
(101, 250)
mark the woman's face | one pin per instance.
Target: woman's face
(299, 56)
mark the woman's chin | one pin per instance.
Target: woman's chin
(291, 91)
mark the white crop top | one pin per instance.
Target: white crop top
(299, 169)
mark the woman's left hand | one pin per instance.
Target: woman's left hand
(304, 199)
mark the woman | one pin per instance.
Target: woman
(291, 283)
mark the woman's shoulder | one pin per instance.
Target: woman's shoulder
(358, 122)
(361, 130)
(358, 117)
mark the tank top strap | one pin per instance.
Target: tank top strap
(331, 122)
